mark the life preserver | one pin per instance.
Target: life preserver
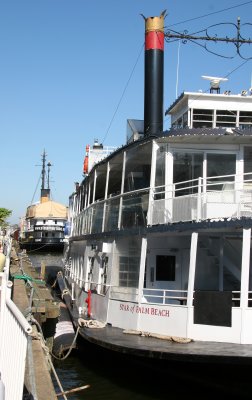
(88, 301)
(85, 164)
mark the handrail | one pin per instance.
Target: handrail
(19, 316)
(14, 333)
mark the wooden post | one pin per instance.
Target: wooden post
(42, 271)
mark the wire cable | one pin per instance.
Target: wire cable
(212, 13)
(124, 90)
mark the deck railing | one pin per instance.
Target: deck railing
(14, 332)
(165, 296)
(214, 198)
(226, 196)
(148, 295)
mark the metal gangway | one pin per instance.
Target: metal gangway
(14, 334)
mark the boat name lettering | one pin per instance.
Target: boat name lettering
(48, 228)
(145, 310)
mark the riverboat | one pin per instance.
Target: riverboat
(43, 227)
(160, 229)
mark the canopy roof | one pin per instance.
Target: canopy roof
(48, 209)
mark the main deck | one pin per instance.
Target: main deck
(142, 345)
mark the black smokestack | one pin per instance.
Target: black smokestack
(154, 75)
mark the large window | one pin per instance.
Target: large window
(247, 160)
(137, 168)
(218, 165)
(226, 118)
(165, 268)
(202, 118)
(129, 271)
(129, 262)
(245, 120)
(187, 167)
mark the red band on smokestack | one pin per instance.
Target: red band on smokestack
(154, 40)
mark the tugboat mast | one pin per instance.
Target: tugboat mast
(43, 171)
(45, 193)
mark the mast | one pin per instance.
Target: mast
(154, 75)
(43, 173)
(48, 174)
(45, 193)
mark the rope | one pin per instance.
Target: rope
(28, 278)
(40, 337)
(90, 323)
(70, 348)
(158, 336)
(64, 292)
(54, 283)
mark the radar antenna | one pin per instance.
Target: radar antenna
(214, 82)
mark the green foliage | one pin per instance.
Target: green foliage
(4, 213)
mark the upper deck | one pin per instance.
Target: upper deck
(201, 169)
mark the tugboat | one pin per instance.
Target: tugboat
(44, 222)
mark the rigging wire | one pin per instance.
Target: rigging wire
(212, 13)
(124, 90)
(36, 189)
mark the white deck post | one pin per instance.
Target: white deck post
(245, 277)
(141, 272)
(169, 186)
(221, 264)
(191, 278)
(122, 191)
(152, 182)
(105, 197)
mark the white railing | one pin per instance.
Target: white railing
(149, 295)
(214, 198)
(163, 296)
(226, 196)
(14, 332)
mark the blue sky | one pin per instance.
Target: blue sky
(73, 71)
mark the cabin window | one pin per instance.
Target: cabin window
(160, 173)
(160, 166)
(100, 185)
(202, 118)
(187, 167)
(91, 189)
(181, 122)
(245, 119)
(218, 165)
(115, 175)
(185, 119)
(247, 161)
(226, 118)
(90, 268)
(165, 268)
(103, 275)
(129, 271)
(137, 168)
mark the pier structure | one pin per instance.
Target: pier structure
(34, 300)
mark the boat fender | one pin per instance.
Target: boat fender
(88, 301)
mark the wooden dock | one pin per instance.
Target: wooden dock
(35, 301)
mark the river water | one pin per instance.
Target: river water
(112, 376)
